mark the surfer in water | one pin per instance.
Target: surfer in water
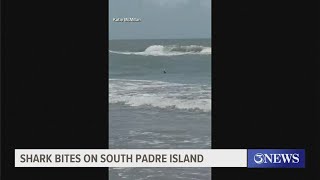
(164, 71)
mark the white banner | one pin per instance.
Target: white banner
(131, 158)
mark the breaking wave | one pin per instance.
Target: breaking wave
(171, 50)
(160, 94)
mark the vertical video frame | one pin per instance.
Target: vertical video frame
(160, 81)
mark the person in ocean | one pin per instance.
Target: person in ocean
(164, 71)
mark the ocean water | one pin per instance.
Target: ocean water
(160, 97)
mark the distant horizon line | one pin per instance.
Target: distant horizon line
(160, 39)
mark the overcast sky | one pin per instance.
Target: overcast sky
(161, 19)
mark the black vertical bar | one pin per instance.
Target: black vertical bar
(54, 85)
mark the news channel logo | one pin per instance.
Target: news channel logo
(276, 158)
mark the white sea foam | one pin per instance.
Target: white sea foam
(160, 94)
(171, 50)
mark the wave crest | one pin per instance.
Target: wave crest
(160, 94)
(171, 50)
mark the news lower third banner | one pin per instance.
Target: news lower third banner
(243, 158)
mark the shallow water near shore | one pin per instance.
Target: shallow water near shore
(153, 109)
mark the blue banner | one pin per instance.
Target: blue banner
(276, 158)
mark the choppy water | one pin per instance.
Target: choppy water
(152, 109)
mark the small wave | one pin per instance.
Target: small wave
(160, 94)
(171, 50)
